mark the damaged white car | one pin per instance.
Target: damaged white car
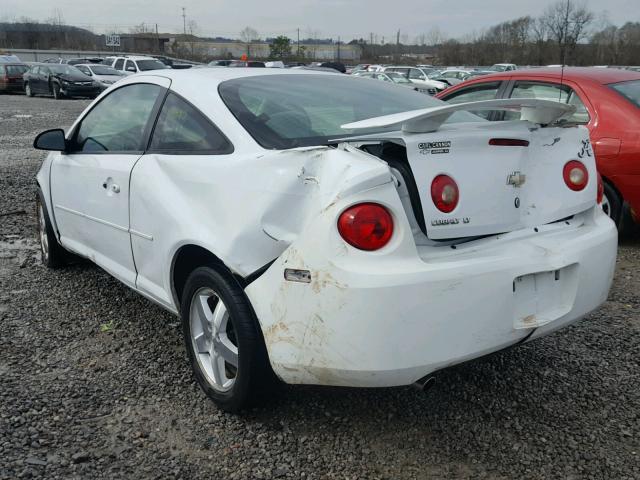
(330, 232)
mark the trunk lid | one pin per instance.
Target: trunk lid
(501, 188)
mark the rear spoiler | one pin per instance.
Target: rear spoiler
(430, 119)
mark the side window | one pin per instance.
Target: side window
(84, 70)
(416, 74)
(118, 64)
(181, 128)
(553, 92)
(130, 66)
(484, 91)
(117, 123)
(35, 70)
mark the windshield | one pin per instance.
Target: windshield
(144, 65)
(104, 70)
(287, 111)
(630, 90)
(397, 78)
(63, 69)
(434, 74)
(497, 68)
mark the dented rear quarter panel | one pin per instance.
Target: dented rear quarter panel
(245, 208)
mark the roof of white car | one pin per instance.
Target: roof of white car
(222, 74)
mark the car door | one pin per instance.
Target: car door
(185, 159)
(90, 181)
(38, 80)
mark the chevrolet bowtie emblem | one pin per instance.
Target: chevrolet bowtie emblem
(516, 179)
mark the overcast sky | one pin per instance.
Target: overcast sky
(328, 18)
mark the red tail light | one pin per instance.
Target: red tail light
(508, 142)
(576, 175)
(600, 194)
(367, 226)
(444, 193)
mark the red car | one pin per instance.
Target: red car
(11, 77)
(608, 103)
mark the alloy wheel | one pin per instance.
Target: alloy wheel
(213, 338)
(42, 232)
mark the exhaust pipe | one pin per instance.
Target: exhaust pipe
(425, 383)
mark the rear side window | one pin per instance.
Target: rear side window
(553, 92)
(118, 64)
(476, 93)
(181, 129)
(416, 74)
(15, 69)
(629, 90)
(118, 122)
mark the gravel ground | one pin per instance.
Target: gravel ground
(80, 402)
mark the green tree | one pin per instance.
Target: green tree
(280, 47)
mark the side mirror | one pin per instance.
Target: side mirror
(51, 140)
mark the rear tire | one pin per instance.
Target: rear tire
(51, 253)
(223, 340)
(612, 204)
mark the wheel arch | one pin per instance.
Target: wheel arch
(186, 259)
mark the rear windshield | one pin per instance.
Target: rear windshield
(15, 69)
(630, 90)
(288, 111)
(144, 65)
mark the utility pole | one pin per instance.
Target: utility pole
(298, 44)
(157, 39)
(338, 47)
(398, 44)
(184, 20)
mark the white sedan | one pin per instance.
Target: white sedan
(325, 229)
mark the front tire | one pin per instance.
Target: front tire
(57, 94)
(223, 341)
(612, 204)
(51, 253)
(27, 90)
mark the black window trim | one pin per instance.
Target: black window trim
(230, 147)
(147, 129)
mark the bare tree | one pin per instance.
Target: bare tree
(567, 22)
(435, 37)
(247, 36)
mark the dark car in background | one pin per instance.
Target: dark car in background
(11, 76)
(59, 80)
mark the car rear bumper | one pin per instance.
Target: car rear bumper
(12, 87)
(379, 324)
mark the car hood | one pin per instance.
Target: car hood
(72, 77)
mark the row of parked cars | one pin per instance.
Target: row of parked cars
(78, 77)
